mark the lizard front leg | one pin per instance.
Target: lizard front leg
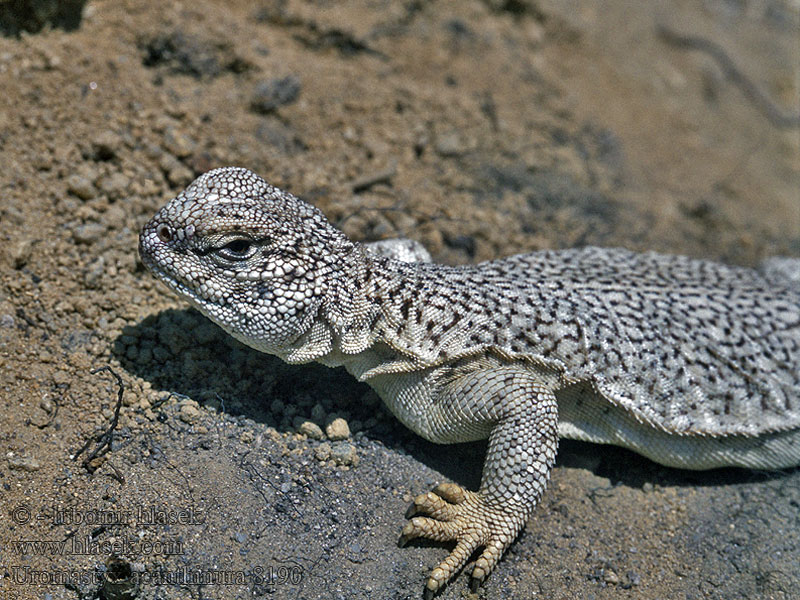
(523, 417)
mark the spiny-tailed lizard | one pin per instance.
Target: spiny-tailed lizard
(693, 364)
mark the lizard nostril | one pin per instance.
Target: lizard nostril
(164, 233)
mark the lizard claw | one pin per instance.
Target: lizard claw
(455, 514)
(479, 573)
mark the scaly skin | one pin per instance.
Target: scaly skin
(691, 363)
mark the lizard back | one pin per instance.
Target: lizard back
(684, 345)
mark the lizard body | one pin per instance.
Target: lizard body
(690, 363)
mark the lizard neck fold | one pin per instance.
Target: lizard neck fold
(346, 322)
(350, 308)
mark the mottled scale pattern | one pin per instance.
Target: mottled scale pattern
(689, 346)
(690, 363)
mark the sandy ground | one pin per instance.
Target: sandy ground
(481, 129)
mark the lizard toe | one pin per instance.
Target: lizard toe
(486, 563)
(433, 505)
(451, 492)
(450, 566)
(431, 529)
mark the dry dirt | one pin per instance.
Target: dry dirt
(480, 128)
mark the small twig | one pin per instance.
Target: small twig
(775, 115)
(104, 439)
(369, 179)
(189, 491)
(117, 474)
(158, 403)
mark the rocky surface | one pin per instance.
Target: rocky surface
(481, 129)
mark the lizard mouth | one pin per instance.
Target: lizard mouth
(154, 251)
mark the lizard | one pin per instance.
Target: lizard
(691, 363)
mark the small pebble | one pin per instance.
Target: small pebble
(318, 413)
(611, 577)
(81, 187)
(189, 411)
(312, 430)
(106, 145)
(23, 463)
(273, 93)
(178, 143)
(21, 251)
(94, 272)
(88, 233)
(634, 579)
(337, 430)
(114, 186)
(322, 452)
(178, 174)
(344, 454)
(452, 144)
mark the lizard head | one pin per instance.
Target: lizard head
(252, 258)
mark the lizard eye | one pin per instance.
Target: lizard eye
(238, 249)
(164, 233)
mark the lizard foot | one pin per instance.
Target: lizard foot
(461, 515)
